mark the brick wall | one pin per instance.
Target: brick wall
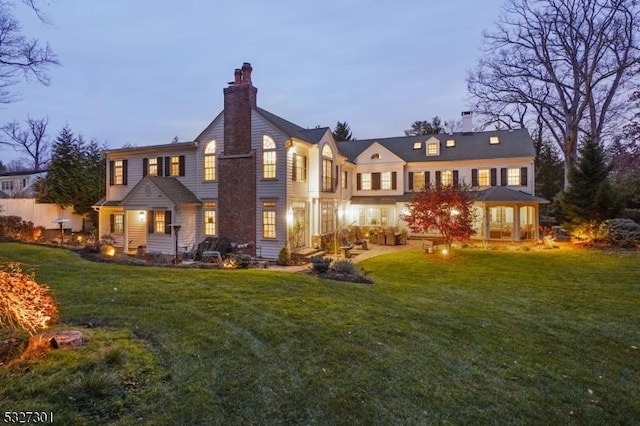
(237, 162)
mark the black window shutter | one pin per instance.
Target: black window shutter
(159, 165)
(167, 222)
(145, 166)
(503, 176)
(523, 176)
(124, 172)
(358, 181)
(181, 165)
(410, 181)
(455, 178)
(167, 166)
(494, 177)
(112, 223)
(474, 177)
(427, 179)
(438, 178)
(150, 221)
(375, 181)
(394, 180)
(112, 168)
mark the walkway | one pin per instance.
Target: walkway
(357, 255)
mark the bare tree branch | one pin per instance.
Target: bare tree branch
(569, 60)
(31, 141)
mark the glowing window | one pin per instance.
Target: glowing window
(268, 158)
(513, 176)
(446, 177)
(433, 148)
(484, 177)
(365, 181)
(494, 140)
(153, 167)
(417, 145)
(210, 218)
(269, 219)
(451, 142)
(210, 162)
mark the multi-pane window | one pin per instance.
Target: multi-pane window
(118, 172)
(326, 217)
(269, 219)
(418, 181)
(385, 180)
(299, 168)
(268, 158)
(365, 181)
(210, 218)
(153, 167)
(7, 185)
(159, 220)
(175, 166)
(118, 223)
(327, 175)
(451, 142)
(484, 177)
(446, 177)
(210, 161)
(433, 148)
(494, 140)
(513, 176)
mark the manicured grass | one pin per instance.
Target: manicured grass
(497, 337)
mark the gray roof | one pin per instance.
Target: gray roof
(293, 130)
(22, 173)
(171, 187)
(170, 146)
(468, 146)
(504, 194)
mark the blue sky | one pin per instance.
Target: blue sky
(143, 71)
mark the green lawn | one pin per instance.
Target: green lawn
(484, 337)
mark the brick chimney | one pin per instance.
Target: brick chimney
(237, 162)
(467, 122)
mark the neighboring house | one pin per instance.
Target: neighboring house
(19, 184)
(17, 198)
(256, 178)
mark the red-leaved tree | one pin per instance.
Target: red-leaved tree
(445, 209)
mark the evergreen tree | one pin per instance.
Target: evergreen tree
(76, 174)
(342, 132)
(589, 200)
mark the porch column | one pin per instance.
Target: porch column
(516, 223)
(125, 224)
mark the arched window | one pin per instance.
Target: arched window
(210, 161)
(268, 158)
(328, 184)
(376, 156)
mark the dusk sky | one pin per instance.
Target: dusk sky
(141, 72)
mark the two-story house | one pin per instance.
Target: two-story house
(253, 177)
(19, 184)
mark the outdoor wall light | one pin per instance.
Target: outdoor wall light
(142, 216)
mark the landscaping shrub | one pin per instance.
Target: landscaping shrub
(24, 304)
(621, 232)
(345, 266)
(284, 258)
(14, 228)
(320, 264)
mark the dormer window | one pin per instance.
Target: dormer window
(433, 148)
(417, 145)
(376, 156)
(451, 143)
(494, 140)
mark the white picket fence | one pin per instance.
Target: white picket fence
(40, 214)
